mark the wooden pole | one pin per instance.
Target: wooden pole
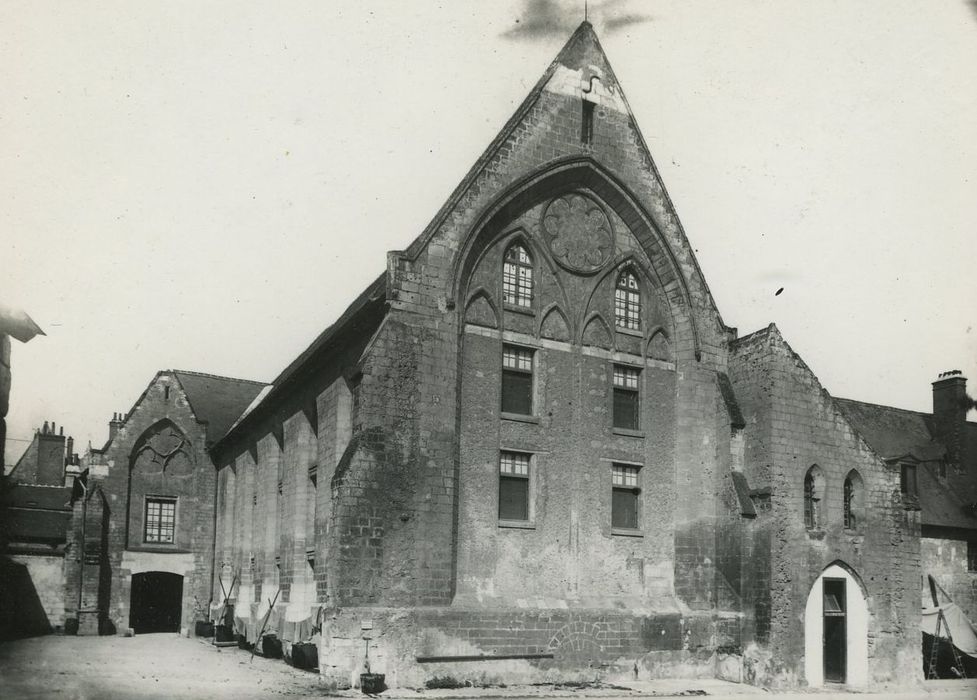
(271, 606)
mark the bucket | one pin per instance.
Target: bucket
(271, 646)
(305, 655)
(202, 628)
(372, 683)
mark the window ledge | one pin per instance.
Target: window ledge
(524, 310)
(520, 418)
(627, 432)
(629, 331)
(154, 547)
(517, 524)
(626, 532)
(816, 533)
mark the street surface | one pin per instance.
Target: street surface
(169, 666)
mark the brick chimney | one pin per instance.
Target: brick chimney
(950, 406)
(114, 425)
(50, 456)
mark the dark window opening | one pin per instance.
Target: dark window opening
(517, 380)
(624, 497)
(517, 277)
(514, 486)
(160, 522)
(850, 520)
(626, 405)
(972, 555)
(627, 302)
(166, 393)
(907, 480)
(587, 122)
(812, 503)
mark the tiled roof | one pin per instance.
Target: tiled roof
(31, 513)
(217, 401)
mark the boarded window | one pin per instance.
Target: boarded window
(624, 496)
(517, 277)
(514, 486)
(160, 522)
(626, 397)
(517, 380)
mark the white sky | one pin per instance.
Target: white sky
(206, 186)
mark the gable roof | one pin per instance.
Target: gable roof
(217, 401)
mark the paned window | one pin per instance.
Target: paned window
(517, 277)
(514, 486)
(624, 496)
(517, 380)
(627, 302)
(626, 397)
(160, 522)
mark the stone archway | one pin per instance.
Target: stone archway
(836, 629)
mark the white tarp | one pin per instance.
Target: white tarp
(964, 636)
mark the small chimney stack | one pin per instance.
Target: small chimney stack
(69, 450)
(950, 406)
(114, 425)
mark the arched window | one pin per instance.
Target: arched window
(853, 500)
(517, 277)
(813, 495)
(627, 301)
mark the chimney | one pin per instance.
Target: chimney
(50, 457)
(950, 406)
(114, 425)
(69, 450)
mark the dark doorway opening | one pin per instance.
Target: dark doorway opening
(155, 602)
(835, 631)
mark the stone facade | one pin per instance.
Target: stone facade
(363, 495)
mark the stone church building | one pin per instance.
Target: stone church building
(533, 449)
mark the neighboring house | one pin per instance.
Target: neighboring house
(35, 514)
(143, 528)
(14, 323)
(533, 449)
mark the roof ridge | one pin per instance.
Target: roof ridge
(882, 405)
(216, 376)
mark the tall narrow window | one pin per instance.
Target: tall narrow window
(907, 480)
(514, 486)
(587, 122)
(624, 497)
(517, 277)
(813, 492)
(517, 380)
(853, 500)
(626, 404)
(627, 302)
(160, 522)
(849, 496)
(971, 555)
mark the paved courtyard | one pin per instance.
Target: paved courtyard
(169, 666)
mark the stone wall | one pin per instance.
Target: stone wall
(944, 557)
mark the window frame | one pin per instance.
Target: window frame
(814, 499)
(621, 390)
(161, 501)
(627, 302)
(907, 469)
(517, 350)
(518, 290)
(526, 479)
(625, 469)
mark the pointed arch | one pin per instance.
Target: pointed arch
(160, 445)
(554, 324)
(836, 592)
(627, 300)
(853, 495)
(658, 346)
(814, 498)
(481, 310)
(518, 275)
(597, 333)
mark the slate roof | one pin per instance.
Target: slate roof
(899, 434)
(217, 401)
(32, 513)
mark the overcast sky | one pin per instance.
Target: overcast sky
(206, 186)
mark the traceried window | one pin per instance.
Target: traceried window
(853, 500)
(517, 380)
(625, 490)
(626, 404)
(627, 302)
(517, 277)
(514, 486)
(160, 521)
(813, 495)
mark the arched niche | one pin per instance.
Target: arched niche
(836, 628)
(162, 448)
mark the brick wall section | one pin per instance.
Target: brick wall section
(793, 424)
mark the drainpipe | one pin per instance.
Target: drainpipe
(81, 565)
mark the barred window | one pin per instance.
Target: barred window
(627, 301)
(625, 410)
(160, 522)
(517, 380)
(517, 277)
(514, 486)
(624, 496)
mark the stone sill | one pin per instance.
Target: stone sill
(159, 549)
(626, 532)
(629, 331)
(627, 432)
(520, 418)
(517, 524)
(525, 311)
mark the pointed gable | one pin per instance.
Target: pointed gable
(217, 401)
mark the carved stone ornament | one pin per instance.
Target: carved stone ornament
(578, 232)
(163, 444)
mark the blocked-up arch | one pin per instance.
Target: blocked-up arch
(559, 177)
(481, 310)
(597, 332)
(163, 447)
(659, 347)
(554, 324)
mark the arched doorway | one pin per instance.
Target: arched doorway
(155, 602)
(836, 629)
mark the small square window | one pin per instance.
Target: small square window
(626, 406)
(514, 486)
(159, 526)
(517, 380)
(625, 491)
